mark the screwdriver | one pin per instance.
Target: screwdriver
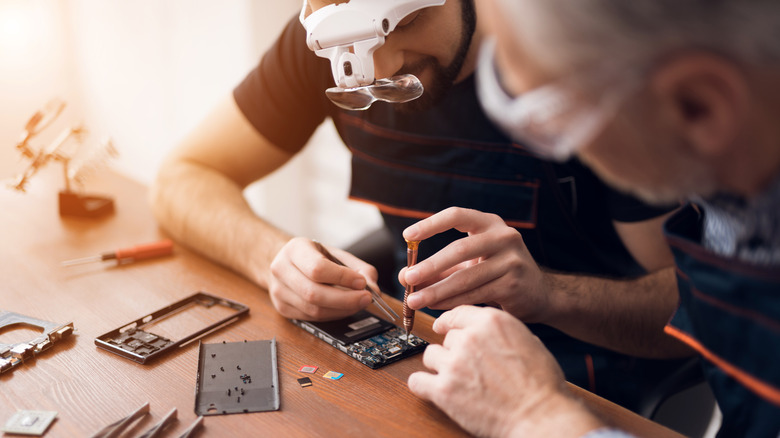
(375, 296)
(411, 260)
(130, 254)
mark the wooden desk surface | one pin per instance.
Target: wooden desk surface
(91, 388)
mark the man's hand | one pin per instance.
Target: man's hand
(495, 378)
(492, 264)
(304, 284)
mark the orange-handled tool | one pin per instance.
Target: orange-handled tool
(129, 255)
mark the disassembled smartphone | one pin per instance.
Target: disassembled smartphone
(13, 355)
(237, 377)
(174, 326)
(367, 338)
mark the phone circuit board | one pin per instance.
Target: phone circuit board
(367, 338)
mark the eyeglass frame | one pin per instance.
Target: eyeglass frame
(524, 117)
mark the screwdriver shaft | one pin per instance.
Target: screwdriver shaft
(83, 260)
(411, 260)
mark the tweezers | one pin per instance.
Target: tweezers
(156, 431)
(116, 428)
(376, 297)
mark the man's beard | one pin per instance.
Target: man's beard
(442, 77)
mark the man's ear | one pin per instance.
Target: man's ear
(706, 97)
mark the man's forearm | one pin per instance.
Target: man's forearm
(207, 212)
(622, 315)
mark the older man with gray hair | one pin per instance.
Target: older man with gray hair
(668, 99)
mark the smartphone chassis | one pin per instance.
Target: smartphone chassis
(133, 342)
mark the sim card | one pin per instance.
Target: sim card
(332, 375)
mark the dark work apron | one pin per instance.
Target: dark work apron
(411, 166)
(730, 313)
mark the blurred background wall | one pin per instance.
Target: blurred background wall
(145, 72)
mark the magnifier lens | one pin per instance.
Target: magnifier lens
(350, 98)
(397, 89)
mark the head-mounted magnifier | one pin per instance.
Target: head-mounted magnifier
(348, 34)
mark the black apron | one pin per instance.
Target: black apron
(730, 313)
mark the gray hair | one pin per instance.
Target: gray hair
(567, 35)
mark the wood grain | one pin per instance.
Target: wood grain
(91, 388)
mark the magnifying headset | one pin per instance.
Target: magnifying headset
(348, 34)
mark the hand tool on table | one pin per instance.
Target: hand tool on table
(129, 255)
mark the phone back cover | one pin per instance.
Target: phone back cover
(237, 377)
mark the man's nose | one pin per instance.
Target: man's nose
(388, 59)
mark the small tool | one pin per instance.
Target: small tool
(411, 259)
(156, 431)
(375, 296)
(129, 255)
(116, 428)
(190, 430)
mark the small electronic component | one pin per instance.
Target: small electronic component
(30, 422)
(237, 377)
(332, 375)
(304, 382)
(311, 369)
(367, 338)
(13, 355)
(205, 314)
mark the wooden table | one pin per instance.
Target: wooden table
(91, 388)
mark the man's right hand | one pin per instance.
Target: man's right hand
(495, 378)
(304, 284)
